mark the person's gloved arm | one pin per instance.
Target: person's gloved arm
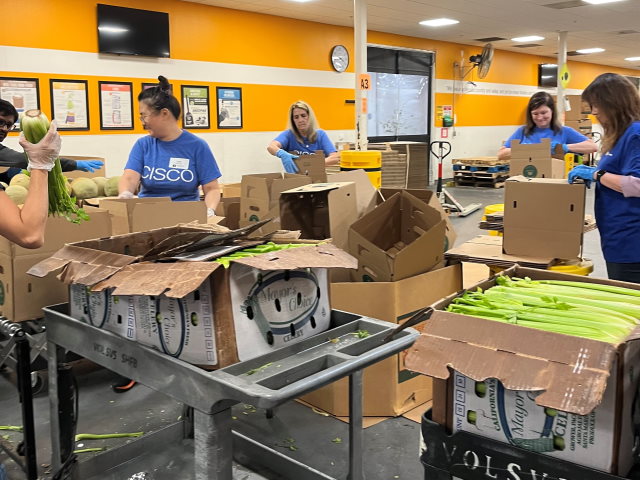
(287, 161)
(42, 155)
(564, 146)
(583, 172)
(88, 165)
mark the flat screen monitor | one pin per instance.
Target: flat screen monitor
(547, 75)
(130, 31)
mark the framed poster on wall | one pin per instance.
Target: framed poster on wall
(70, 104)
(195, 106)
(229, 107)
(22, 93)
(116, 105)
(146, 85)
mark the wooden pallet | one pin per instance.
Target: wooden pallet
(481, 175)
(480, 161)
(480, 182)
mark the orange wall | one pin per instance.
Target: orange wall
(205, 33)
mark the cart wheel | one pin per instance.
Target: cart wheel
(20, 449)
(38, 385)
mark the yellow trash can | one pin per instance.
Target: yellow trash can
(369, 161)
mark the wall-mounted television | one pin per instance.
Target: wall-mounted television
(547, 75)
(130, 31)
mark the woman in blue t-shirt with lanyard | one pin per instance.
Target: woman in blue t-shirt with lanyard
(301, 138)
(615, 103)
(542, 122)
(169, 162)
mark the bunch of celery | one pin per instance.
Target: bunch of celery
(258, 250)
(599, 312)
(34, 125)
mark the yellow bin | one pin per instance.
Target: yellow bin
(369, 161)
(491, 209)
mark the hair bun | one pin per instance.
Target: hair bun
(164, 84)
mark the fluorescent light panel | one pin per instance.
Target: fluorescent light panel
(438, 22)
(600, 2)
(590, 50)
(530, 38)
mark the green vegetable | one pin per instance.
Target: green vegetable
(11, 428)
(90, 450)
(91, 436)
(599, 312)
(258, 250)
(34, 125)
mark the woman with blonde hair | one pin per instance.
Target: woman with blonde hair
(302, 137)
(615, 102)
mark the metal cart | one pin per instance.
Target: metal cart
(265, 382)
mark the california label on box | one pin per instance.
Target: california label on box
(284, 305)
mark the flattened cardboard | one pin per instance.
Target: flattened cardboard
(389, 389)
(313, 166)
(428, 197)
(543, 218)
(402, 237)
(487, 249)
(571, 373)
(141, 214)
(59, 231)
(534, 160)
(320, 210)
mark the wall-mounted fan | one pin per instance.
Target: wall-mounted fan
(483, 60)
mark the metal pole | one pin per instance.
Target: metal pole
(360, 44)
(26, 397)
(213, 443)
(562, 60)
(355, 426)
(54, 418)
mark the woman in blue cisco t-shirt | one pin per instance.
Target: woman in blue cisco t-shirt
(615, 103)
(169, 162)
(542, 122)
(301, 138)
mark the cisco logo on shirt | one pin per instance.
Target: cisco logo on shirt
(178, 171)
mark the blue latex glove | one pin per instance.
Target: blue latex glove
(287, 161)
(584, 172)
(564, 146)
(88, 165)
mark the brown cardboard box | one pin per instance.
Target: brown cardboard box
(221, 331)
(260, 197)
(575, 108)
(320, 210)
(582, 126)
(231, 190)
(400, 238)
(543, 217)
(22, 297)
(229, 207)
(567, 374)
(312, 166)
(140, 214)
(366, 194)
(389, 388)
(428, 197)
(534, 160)
(101, 172)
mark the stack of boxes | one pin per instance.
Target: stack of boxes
(576, 114)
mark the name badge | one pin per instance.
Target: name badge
(177, 162)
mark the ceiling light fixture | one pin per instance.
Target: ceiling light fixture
(632, 59)
(584, 51)
(530, 38)
(438, 22)
(600, 2)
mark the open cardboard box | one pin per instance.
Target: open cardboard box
(211, 316)
(400, 238)
(534, 160)
(313, 166)
(367, 196)
(543, 217)
(389, 389)
(569, 396)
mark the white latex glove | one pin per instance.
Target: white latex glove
(211, 212)
(125, 194)
(43, 154)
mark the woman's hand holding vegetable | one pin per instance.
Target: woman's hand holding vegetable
(42, 155)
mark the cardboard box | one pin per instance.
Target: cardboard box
(22, 297)
(428, 197)
(320, 210)
(140, 214)
(400, 238)
(366, 194)
(231, 190)
(210, 315)
(229, 208)
(595, 381)
(543, 218)
(389, 388)
(260, 197)
(101, 172)
(575, 108)
(534, 160)
(313, 166)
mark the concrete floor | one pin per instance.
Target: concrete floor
(391, 447)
